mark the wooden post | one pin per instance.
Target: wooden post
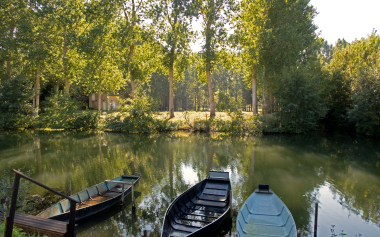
(122, 193)
(69, 187)
(231, 204)
(10, 219)
(145, 233)
(71, 227)
(133, 196)
(316, 219)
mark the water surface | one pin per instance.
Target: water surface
(342, 174)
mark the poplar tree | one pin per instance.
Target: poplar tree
(140, 54)
(172, 21)
(248, 34)
(216, 16)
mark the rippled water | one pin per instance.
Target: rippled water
(341, 173)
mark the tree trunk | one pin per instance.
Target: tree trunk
(9, 58)
(263, 110)
(37, 91)
(210, 91)
(131, 51)
(254, 92)
(271, 102)
(99, 100)
(171, 105)
(133, 85)
(67, 83)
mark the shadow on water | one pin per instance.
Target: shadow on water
(120, 211)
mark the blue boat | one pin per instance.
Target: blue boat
(265, 214)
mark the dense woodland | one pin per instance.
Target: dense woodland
(262, 56)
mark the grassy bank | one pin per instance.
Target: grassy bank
(236, 122)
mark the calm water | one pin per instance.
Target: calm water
(341, 173)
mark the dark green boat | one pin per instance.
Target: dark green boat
(93, 200)
(200, 210)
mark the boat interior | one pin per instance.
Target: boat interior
(91, 196)
(198, 207)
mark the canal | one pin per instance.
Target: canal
(341, 173)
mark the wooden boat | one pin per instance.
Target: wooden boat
(265, 214)
(92, 200)
(199, 210)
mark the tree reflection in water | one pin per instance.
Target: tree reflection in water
(298, 169)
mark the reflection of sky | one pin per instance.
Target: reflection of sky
(331, 212)
(189, 174)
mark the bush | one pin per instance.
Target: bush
(85, 120)
(63, 112)
(237, 124)
(136, 116)
(16, 110)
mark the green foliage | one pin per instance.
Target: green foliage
(365, 113)
(17, 232)
(6, 188)
(338, 97)
(15, 107)
(238, 124)
(225, 102)
(137, 116)
(37, 203)
(63, 112)
(203, 125)
(300, 101)
(354, 71)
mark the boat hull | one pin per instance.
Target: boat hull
(92, 200)
(265, 214)
(200, 210)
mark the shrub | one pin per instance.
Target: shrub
(136, 116)
(63, 112)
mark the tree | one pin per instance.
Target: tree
(354, 69)
(36, 34)
(10, 13)
(173, 29)
(216, 14)
(69, 20)
(98, 46)
(140, 54)
(288, 33)
(249, 28)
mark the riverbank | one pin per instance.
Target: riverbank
(235, 122)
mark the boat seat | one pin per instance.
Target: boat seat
(209, 203)
(219, 186)
(182, 227)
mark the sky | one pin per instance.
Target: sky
(346, 19)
